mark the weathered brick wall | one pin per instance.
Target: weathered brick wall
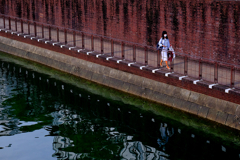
(204, 28)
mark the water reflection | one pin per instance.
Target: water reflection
(166, 133)
(79, 124)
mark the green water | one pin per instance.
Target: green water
(47, 114)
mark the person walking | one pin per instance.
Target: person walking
(165, 44)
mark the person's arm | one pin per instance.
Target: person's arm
(160, 42)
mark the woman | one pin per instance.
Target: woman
(164, 42)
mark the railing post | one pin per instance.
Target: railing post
(146, 55)
(57, 34)
(21, 25)
(9, 23)
(171, 65)
(200, 69)
(158, 58)
(28, 27)
(185, 65)
(35, 29)
(92, 43)
(42, 31)
(4, 23)
(16, 24)
(232, 77)
(216, 72)
(112, 48)
(49, 31)
(102, 45)
(74, 38)
(83, 41)
(65, 35)
(134, 53)
(123, 51)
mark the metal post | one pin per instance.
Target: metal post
(158, 58)
(49, 31)
(200, 69)
(83, 41)
(28, 27)
(216, 73)
(57, 34)
(4, 23)
(92, 43)
(35, 29)
(9, 23)
(42, 31)
(74, 38)
(171, 65)
(21, 25)
(185, 65)
(123, 52)
(65, 35)
(101, 45)
(134, 53)
(112, 48)
(146, 55)
(16, 24)
(232, 77)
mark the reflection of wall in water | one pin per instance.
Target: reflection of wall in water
(136, 150)
(204, 28)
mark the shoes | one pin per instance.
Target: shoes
(168, 68)
(160, 65)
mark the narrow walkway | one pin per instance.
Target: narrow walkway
(186, 68)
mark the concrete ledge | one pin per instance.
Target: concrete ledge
(215, 109)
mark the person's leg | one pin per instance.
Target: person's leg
(161, 58)
(165, 58)
(161, 62)
(167, 65)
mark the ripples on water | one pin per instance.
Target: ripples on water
(44, 118)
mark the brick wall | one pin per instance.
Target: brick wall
(204, 28)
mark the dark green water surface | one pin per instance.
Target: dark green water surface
(46, 114)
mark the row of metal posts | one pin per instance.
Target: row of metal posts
(122, 49)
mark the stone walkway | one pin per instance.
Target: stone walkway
(223, 73)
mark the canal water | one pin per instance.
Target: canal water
(46, 114)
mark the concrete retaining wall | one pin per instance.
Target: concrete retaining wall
(215, 109)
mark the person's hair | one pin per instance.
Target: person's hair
(164, 32)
